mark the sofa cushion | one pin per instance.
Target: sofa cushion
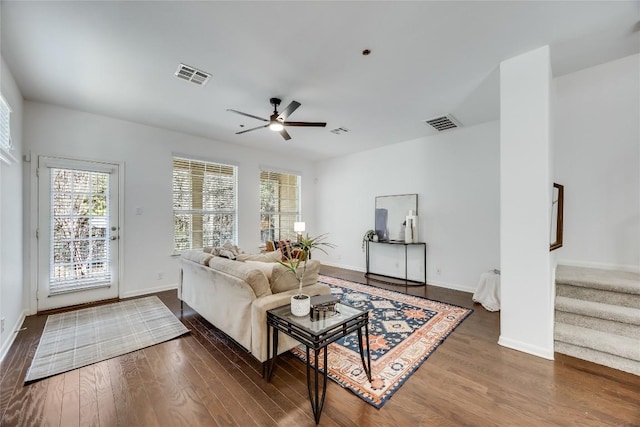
(265, 267)
(264, 257)
(197, 256)
(253, 276)
(282, 279)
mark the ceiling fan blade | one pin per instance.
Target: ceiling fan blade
(249, 130)
(293, 106)
(285, 135)
(307, 124)
(248, 115)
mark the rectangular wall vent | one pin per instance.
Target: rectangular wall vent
(339, 131)
(443, 123)
(192, 74)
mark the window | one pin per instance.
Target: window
(279, 205)
(5, 132)
(204, 204)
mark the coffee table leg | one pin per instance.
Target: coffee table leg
(317, 402)
(366, 366)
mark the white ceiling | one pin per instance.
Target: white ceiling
(428, 58)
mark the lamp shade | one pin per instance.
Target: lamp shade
(298, 227)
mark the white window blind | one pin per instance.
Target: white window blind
(279, 205)
(5, 132)
(204, 204)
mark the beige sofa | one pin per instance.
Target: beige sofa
(234, 295)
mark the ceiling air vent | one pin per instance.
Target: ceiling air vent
(443, 123)
(192, 74)
(339, 131)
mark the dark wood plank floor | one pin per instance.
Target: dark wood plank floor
(205, 379)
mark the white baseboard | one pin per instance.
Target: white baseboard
(600, 265)
(146, 291)
(14, 332)
(453, 286)
(545, 353)
(346, 267)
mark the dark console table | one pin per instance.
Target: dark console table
(407, 282)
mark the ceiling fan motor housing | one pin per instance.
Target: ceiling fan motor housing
(275, 102)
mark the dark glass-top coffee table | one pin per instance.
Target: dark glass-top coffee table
(316, 335)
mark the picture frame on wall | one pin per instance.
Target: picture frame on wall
(557, 212)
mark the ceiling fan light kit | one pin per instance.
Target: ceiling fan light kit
(278, 121)
(275, 126)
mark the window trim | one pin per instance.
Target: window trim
(6, 154)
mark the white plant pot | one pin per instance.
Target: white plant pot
(300, 305)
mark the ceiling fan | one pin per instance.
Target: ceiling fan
(278, 121)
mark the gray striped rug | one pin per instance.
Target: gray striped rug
(81, 337)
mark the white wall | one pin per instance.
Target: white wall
(526, 319)
(597, 134)
(456, 177)
(147, 153)
(12, 301)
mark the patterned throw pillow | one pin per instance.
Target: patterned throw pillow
(286, 249)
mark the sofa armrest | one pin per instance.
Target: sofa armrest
(259, 319)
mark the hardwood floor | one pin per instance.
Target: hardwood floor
(205, 379)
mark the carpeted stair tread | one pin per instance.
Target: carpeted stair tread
(598, 295)
(595, 356)
(598, 309)
(618, 281)
(596, 340)
(604, 325)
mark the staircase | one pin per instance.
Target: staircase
(597, 316)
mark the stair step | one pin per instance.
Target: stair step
(610, 280)
(595, 356)
(598, 295)
(596, 340)
(599, 310)
(604, 325)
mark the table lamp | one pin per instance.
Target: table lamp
(298, 227)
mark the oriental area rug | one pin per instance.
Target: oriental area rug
(404, 330)
(81, 337)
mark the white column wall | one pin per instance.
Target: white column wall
(12, 296)
(525, 199)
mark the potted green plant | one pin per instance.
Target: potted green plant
(300, 303)
(368, 236)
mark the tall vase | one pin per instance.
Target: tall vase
(408, 236)
(411, 228)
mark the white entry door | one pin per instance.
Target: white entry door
(77, 232)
